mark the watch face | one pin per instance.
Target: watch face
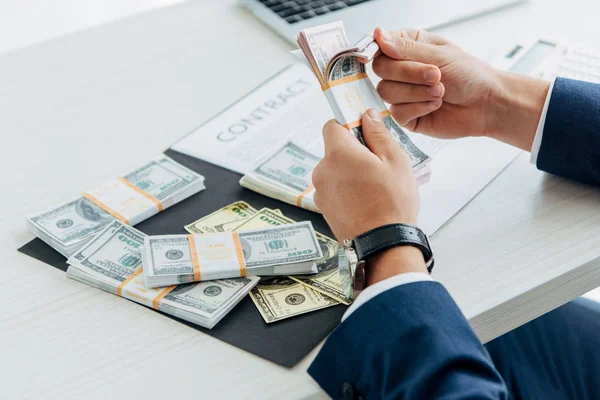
(345, 271)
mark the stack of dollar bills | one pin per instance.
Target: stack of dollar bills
(281, 297)
(131, 199)
(274, 250)
(341, 73)
(287, 176)
(111, 261)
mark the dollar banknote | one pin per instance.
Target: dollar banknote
(111, 261)
(66, 228)
(285, 176)
(328, 53)
(279, 298)
(272, 250)
(166, 180)
(155, 186)
(219, 220)
(326, 280)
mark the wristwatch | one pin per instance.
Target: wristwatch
(353, 254)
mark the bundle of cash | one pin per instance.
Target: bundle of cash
(326, 280)
(278, 298)
(349, 91)
(131, 199)
(111, 261)
(274, 250)
(287, 176)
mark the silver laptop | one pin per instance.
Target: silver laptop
(288, 17)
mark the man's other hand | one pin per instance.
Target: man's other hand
(359, 188)
(436, 88)
(433, 86)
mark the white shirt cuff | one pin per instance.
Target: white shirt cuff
(537, 141)
(382, 286)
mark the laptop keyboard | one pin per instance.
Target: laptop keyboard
(299, 10)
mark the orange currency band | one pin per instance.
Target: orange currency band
(162, 294)
(195, 263)
(140, 191)
(358, 122)
(341, 81)
(106, 208)
(240, 253)
(303, 195)
(126, 281)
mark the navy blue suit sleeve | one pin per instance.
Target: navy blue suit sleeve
(409, 342)
(571, 141)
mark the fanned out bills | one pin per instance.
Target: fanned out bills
(111, 261)
(133, 198)
(271, 250)
(348, 89)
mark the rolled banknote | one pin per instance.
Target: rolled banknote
(347, 87)
(280, 250)
(111, 261)
(132, 198)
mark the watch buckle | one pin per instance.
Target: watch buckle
(359, 279)
(429, 263)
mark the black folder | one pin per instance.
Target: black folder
(285, 342)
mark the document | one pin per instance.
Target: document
(291, 108)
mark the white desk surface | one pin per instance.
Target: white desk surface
(82, 109)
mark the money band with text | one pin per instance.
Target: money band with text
(217, 256)
(350, 97)
(124, 201)
(133, 289)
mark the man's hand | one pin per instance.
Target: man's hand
(437, 89)
(359, 188)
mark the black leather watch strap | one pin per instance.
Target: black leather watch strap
(388, 236)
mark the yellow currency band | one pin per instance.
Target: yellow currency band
(126, 281)
(240, 253)
(106, 208)
(358, 122)
(116, 214)
(303, 195)
(156, 300)
(162, 294)
(145, 194)
(194, 254)
(341, 81)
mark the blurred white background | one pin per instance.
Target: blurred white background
(27, 22)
